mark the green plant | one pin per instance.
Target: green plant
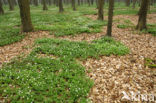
(126, 24)
(150, 63)
(43, 79)
(63, 48)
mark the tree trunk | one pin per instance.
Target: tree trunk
(92, 2)
(73, 5)
(44, 5)
(88, 2)
(5, 2)
(49, 1)
(127, 2)
(100, 9)
(142, 15)
(134, 2)
(1, 8)
(60, 6)
(149, 5)
(79, 2)
(110, 18)
(56, 2)
(25, 15)
(14, 2)
(11, 5)
(36, 2)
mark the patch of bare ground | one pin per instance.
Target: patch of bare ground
(22, 47)
(115, 74)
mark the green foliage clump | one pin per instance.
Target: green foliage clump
(150, 63)
(10, 36)
(103, 46)
(40, 80)
(126, 24)
(10, 29)
(122, 26)
(43, 79)
(151, 29)
(67, 24)
(59, 24)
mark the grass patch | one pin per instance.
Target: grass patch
(43, 79)
(9, 28)
(122, 26)
(10, 36)
(151, 29)
(47, 80)
(125, 11)
(126, 24)
(64, 48)
(60, 24)
(65, 23)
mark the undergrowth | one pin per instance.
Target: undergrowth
(60, 80)
(83, 50)
(127, 24)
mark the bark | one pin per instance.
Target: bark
(61, 6)
(110, 17)
(44, 5)
(134, 2)
(149, 5)
(127, 2)
(92, 2)
(49, 2)
(143, 15)
(56, 2)
(14, 2)
(5, 2)
(11, 5)
(25, 16)
(73, 5)
(79, 2)
(100, 9)
(88, 2)
(1, 8)
(36, 2)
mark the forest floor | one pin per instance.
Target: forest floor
(111, 74)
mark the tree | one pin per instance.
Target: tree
(92, 2)
(44, 5)
(79, 2)
(100, 9)
(88, 2)
(142, 15)
(25, 15)
(73, 5)
(110, 18)
(36, 2)
(11, 5)
(1, 8)
(61, 6)
(127, 2)
(49, 1)
(134, 2)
